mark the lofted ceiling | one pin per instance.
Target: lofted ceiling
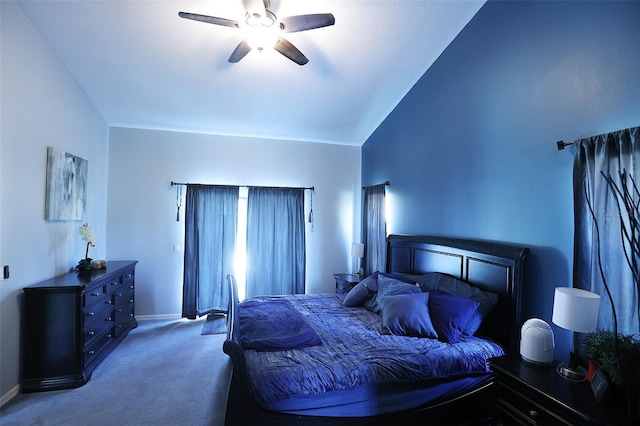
(144, 67)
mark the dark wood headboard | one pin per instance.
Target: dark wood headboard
(490, 266)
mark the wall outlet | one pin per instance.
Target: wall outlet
(5, 272)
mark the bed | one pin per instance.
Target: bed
(341, 365)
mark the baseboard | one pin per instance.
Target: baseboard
(9, 395)
(158, 317)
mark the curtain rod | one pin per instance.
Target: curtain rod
(310, 188)
(563, 144)
(385, 183)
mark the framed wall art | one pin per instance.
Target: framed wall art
(66, 192)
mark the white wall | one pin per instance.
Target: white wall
(41, 105)
(142, 213)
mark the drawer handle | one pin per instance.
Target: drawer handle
(109, 336)
(95, 294)
(108, 319)
(130, 300)
(119, 326)
(90, 314)
(131, 286)
(108, 302)
(129, 275)
(119, 310)
(91, 333)
(130, 315)
(91, 352)
(533, 414)
(114, 282)
(119, 294)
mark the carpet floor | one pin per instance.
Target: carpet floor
(162, 373)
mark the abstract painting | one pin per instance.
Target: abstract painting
(66, 194)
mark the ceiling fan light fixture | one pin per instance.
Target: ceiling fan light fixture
(261, 32)
(262, 29)
(258, 20)
(261, 38)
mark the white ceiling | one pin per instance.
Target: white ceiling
(144, 67)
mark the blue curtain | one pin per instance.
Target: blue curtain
(211, 218)
(275, 241)
(610, 154)
(374, 229)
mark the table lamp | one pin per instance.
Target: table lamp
(576, 310)
(357, 252)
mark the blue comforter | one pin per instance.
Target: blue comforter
(273, 324)
(356, 353)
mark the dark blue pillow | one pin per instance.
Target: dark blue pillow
(450, 315)
(443, 283)
(362, 291)
(388, 287)
(407, 315)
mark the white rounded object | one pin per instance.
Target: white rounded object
(537, 342)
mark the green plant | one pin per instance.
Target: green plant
(622, 368)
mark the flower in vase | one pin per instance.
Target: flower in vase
(90, 238)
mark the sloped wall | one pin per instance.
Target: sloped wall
(471, 152)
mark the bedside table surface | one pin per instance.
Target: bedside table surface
(544, 383)
(350, 278)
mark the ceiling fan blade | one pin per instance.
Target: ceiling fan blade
(290, 51)
(209, 19)
(292, 24)
(240, 51)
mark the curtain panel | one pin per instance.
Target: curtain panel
(211, 219)
(374, 229)
(276, 253)
(600, 242)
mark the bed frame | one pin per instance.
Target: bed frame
(491, 266)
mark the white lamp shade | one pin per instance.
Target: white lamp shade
(575, 309)
(357, 250)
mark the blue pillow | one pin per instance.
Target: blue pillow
(450, 315)
(388, 287)
(407, 315)
(362, 291)
(443, 283)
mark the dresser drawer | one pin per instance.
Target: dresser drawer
(100, 344)
(128, 277)
(89, 297)
(100, 311)
(124, 318)
(93, 331)
(125, 294)
(113, 285)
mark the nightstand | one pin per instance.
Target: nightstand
(528, 394)
(345, 282)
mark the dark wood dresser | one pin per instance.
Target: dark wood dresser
(72, 322)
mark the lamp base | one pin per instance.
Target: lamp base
(572, 374)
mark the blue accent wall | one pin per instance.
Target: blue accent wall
(470, 151)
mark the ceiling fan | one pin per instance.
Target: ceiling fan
(263, 29)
